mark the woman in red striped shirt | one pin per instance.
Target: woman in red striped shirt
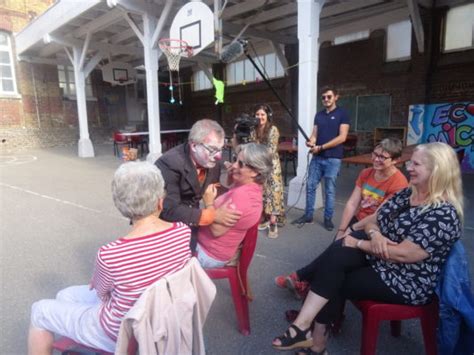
(91, 315)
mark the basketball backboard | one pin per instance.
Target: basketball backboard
(119, 73)
(194, 23)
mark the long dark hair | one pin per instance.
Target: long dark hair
(263, 137)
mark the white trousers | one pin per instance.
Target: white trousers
(74, 313)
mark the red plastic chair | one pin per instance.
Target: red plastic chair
(373, 313)
(67, 346)
(140, 142)
(237, 276)
(119, 141)
(349, 147)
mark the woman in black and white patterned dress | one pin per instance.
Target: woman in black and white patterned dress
(400, 258)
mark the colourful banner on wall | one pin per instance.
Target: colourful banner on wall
(449, 123)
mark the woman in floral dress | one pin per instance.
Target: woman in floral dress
(273, 208)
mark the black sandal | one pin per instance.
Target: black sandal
(311, 352)
(298, 341)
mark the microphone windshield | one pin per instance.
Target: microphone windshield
(232, 51)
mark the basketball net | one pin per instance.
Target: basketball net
(174, 49)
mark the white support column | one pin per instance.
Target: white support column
(81, 71)
(152, 55)
(85, 147)
(152, 28)
(309, 12)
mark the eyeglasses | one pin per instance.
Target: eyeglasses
(380, 157)
(241, 164)
(213, 151)
(326, 97)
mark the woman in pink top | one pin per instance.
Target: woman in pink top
(217, 243)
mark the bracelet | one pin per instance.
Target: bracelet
(359, 243)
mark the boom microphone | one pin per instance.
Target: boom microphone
(233, 51)
(238, 47)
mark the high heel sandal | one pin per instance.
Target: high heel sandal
(299, 340)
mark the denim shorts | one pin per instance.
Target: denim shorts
(206, 261)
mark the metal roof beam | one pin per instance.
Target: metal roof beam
(417, 24)
(70, 42)
(98, 23)
(139, 7)
(371, 23)
(54, 18)
(233, 29)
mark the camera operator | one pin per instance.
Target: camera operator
(273, 209)
(245, 129)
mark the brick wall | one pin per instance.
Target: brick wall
(241, 98)
(359, 68)
(40, 116)
(356, 68)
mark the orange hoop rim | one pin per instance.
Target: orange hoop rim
(166, 45)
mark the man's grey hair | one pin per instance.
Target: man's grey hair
(259, 159)
(137, 188)
(392, 146)
(202, 128)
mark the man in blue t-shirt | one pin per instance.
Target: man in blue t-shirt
(331, 126)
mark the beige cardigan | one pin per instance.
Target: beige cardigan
(169, 316)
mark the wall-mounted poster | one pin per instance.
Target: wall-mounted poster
(451, 123)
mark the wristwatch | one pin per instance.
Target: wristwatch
(371, 232)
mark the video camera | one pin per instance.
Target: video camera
(244, 128)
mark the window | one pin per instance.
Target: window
(200, 81)
(67, 82)
(351, 37)
(399, 41)
(459, 28)
(7, 68)
(243, 70)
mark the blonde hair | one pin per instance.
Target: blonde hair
(444, 184)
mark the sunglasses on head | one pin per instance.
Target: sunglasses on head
(326, 97)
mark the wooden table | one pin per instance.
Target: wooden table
(288, 152)
(366, 159)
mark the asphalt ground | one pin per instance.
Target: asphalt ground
(56, 210)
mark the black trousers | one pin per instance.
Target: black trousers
(341, 273)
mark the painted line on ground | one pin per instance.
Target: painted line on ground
(65, 202)
(9, 160)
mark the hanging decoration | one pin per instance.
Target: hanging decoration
(174, 49)
(219, 87)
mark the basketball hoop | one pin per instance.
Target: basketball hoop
(174, 49)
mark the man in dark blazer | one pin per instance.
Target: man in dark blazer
(188, 169)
